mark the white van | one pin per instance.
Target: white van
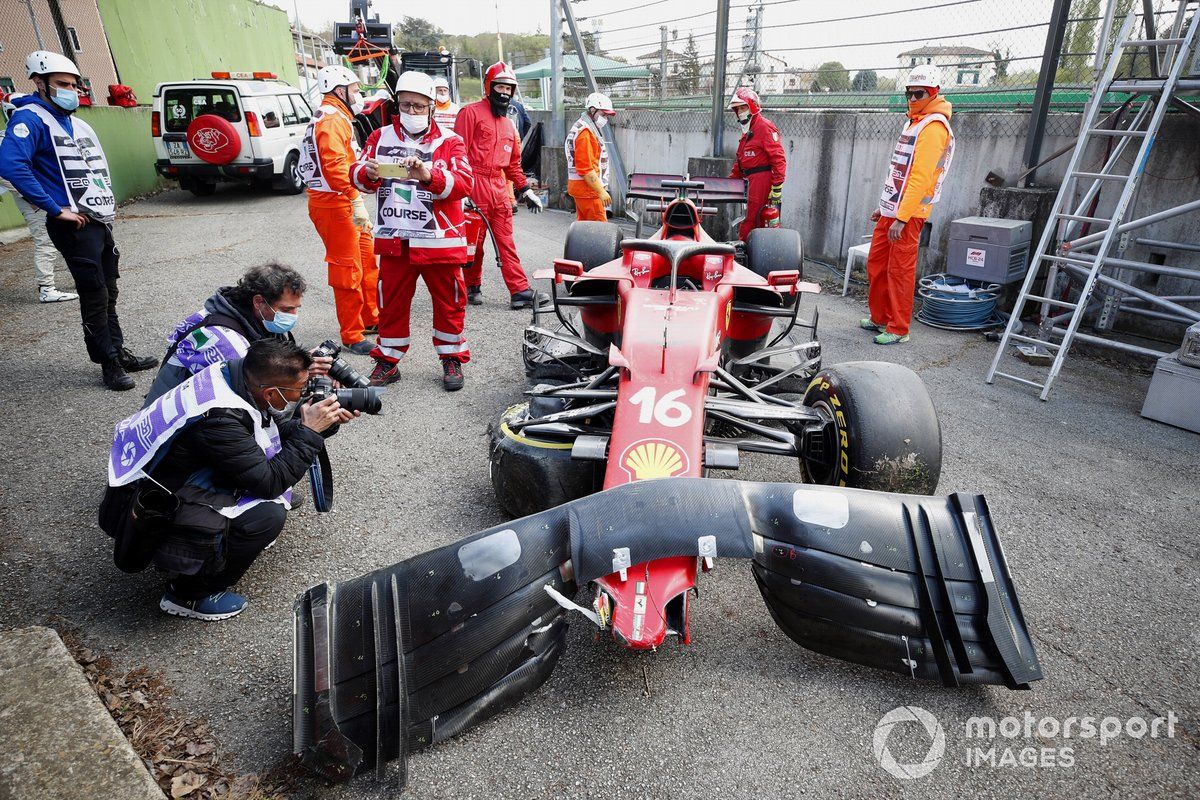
(235, 126)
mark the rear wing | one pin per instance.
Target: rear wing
(702, 191)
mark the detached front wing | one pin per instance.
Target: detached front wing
(416, 653)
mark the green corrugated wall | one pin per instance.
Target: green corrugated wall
(167, 40)
(125, 135)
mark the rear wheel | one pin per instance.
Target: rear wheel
(886, 435)
(593, 243)
(290, 181)
(202, 188)
(530, 474)
(773, 249)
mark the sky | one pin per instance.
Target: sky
(793, 30)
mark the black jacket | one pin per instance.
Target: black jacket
(223, 441)
(222, 303)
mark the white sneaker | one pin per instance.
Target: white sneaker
(48, 294)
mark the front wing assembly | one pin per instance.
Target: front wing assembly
(420, 651)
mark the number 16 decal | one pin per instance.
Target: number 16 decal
(666, 410)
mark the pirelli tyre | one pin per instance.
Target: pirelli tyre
(532, 474)
(774, 249)
(885, 434)
(593, 243)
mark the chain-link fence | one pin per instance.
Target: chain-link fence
(801, 55)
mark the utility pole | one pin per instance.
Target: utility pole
(499, 40)
(554, 104)
(37, 31)
(1059, 16)
(755, 61)
(718, 88)
(662, 62)
(618, 171)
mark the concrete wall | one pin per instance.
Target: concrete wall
(125, 135)
(836, 164)
(165, 40)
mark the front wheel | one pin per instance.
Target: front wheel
(531, 474)
(885, 434)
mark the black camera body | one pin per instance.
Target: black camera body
(359, 394)
(339, 370)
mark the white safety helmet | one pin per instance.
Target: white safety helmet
(417, 82)
(43, 62)
(9, 107)
(925, 75)
(330, 78)
(440, 82)
(600, 102)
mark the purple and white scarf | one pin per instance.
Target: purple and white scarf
(205, 346)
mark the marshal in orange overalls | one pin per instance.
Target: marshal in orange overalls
(331, 150)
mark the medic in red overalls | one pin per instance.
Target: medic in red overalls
(419, 230)
(494, 150)
(760, 159)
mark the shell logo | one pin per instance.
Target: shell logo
(210, 140)
(653, 458)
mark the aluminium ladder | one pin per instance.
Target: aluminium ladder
(1055, 249)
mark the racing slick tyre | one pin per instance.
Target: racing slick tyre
(885, 434)
(530, 474)
(593, 243)
(290, 181)
(772, 249)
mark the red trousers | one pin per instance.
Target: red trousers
(759, 186)
(397, 284)
(500, 218)
(350, 256)
(892, 273)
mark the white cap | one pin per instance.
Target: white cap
(43, 62)
(329, 78)
(600, 102)
(417, 82)
(925, 75)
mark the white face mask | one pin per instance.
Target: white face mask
(744, 122)
(601, 120)
(414, 124)
(443, 96)
(357, 104)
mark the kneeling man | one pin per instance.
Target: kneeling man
(223, 470)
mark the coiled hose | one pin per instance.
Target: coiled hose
(958, 304)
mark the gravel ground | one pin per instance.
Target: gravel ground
(1096, 506)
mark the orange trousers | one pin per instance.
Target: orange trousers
(892, 274)
(353, 272)
(589, 208)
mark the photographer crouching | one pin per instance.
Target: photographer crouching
(200, 480)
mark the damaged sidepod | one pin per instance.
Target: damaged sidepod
(413, 654)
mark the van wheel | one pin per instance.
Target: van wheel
(289, 181)
(202, 188)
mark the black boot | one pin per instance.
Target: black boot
(131, 363)
(115, 376)
(475, 295)
(528, 298)
(452, 375)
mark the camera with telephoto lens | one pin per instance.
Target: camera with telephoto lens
(340, 371)
(367, 399)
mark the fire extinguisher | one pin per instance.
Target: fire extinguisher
(768, 217)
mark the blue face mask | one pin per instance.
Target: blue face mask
(66, 99)
(282, 323)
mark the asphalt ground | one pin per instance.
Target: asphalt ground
(1096, 507)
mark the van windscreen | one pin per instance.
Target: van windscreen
(182, 105)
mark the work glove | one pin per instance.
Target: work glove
(592, 179)
(359, 215)
(532, 201)
(775, 198)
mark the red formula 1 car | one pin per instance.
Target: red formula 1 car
(661, 359)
